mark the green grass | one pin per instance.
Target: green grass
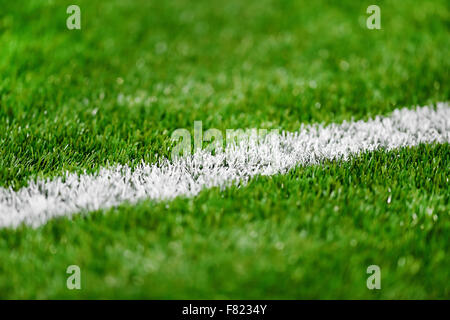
(309, 234)
(114, 91)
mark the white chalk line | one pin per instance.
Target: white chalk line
(42, 200)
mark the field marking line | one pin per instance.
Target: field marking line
(42, 200)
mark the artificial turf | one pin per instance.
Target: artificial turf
(114, 91)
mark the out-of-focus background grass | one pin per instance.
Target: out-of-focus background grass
(114, 91)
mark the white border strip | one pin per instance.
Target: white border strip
(46, 199)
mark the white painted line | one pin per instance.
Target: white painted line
(46, 199)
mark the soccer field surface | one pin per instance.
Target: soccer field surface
(358, 174)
